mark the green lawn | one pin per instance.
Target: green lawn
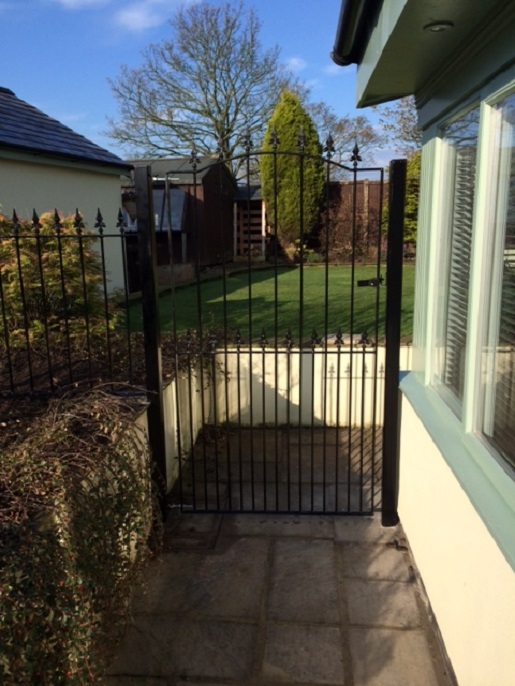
(254, 303)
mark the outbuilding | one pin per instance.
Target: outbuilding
(45, 165)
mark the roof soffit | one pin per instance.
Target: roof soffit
(401, 57)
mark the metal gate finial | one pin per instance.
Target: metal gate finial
(329, 147)
(355, 157)
(247, 143)
(194, 159)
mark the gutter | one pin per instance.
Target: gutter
(357, 18)
(31, 151)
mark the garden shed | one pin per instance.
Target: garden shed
(250, 225)
(45, 165)
(193, 208)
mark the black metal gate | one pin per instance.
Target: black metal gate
(278, 339)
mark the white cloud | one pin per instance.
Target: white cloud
(139, 17)
(81, 4)
(146, 14)
(296, 64)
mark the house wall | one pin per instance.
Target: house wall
(457, 498)
(26, 185)
(469, 582)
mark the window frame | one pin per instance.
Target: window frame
(485, 241)
(445, 170)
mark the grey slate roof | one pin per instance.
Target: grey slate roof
(27, 129)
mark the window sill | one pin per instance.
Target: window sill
(489, 485)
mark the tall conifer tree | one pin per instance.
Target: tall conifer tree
(289, 124)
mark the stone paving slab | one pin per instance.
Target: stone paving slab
(283, 526)
(382, 603)
(386, 657)
(303, 600)
(158, 646)
(299, 497)
(377, 562)
(308, 654)
(247, 445)
(319, 464)
(364, 530)
(226, 583)
(303, 586)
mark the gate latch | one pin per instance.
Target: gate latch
(374, 283)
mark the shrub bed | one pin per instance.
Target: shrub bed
(76, 511)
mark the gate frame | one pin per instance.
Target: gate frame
(391, 427)
(151, 328)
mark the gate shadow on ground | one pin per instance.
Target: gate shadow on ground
(275, 455)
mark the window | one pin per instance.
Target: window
(173, 211)
(498, 358)
(461, 139)
(473, 368)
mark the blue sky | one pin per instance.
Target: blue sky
(59, 54)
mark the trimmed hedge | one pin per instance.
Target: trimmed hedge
(76, 511)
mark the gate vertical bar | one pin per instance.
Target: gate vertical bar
(390, 485)
(301, 146)
(151, 325)
(376, 339)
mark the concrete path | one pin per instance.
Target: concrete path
(253, 600)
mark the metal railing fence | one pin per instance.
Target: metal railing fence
(65, 320)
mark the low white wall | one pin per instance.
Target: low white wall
(470, 584)
(187, 395)
(334, 388)
(177, 394)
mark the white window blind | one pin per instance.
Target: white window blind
(461, 138)
(498, 360)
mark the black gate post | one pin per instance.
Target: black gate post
(391, 429)
(151, 325)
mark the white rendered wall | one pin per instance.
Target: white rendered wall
(470, 584)
(191, 420)
(187, 395)
(191, 416)
(26, 186)
(310, 385)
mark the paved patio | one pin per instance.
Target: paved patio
(262, 599)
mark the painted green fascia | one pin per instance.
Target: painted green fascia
(387, 20)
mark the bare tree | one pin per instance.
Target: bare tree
(346, 132)
(400, 125)
(206, 87)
